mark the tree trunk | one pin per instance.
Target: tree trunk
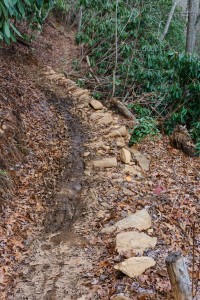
(193, 17)
(179, 278)
(175, 3)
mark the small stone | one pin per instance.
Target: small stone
(142, 161)
(105, 163)
(133, 241)
(120, 142)
(87, 172)
(96, 104)
(125, 156)
(85, 154)
(135, 266)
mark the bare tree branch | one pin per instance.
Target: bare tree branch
(175, 3)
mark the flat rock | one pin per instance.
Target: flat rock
(102, 118)
(120, 142)
(125, 156)
(119, 132)
(134, 242)
(98, 144)
(135, 266)
(141, 220)
(96, 104)
(106, 119)
(133, 170)
(108, 162)
(142, 161)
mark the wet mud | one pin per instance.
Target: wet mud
(66, 206)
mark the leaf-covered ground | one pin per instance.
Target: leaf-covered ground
(46, 139)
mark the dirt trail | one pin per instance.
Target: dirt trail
(57, 257)
(67, 246)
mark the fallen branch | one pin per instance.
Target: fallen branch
(123, 109)
(90, 69)
(178, 275)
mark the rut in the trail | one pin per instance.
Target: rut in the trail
(66, 205)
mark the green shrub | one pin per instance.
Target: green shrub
(15, 11)
(147, 126)
(169, 77)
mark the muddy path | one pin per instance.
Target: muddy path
(67, 205)
(56, 256)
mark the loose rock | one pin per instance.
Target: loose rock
(96, 104)
(97, 115)
(121, 131)
(120, 142)
(141, 220)
(125, 156)
(105, 163)
(135, 266)
(133, 170)
(142, 161)
(133, 241)
(98, 144)
(107, 119)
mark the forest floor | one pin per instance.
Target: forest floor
(55, 203)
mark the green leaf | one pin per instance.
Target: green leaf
(15, 30)
(6, 29)
(21, 7)
(13, 38)
(7, 4)
(5, 12)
